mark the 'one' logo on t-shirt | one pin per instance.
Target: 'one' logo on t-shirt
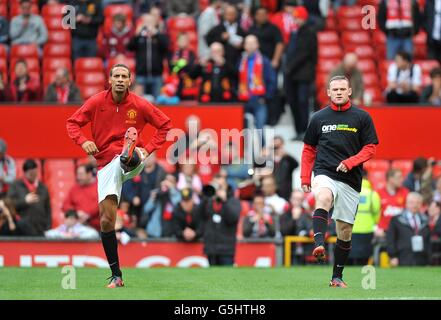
(337, 127)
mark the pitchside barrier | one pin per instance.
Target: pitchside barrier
(166, 252)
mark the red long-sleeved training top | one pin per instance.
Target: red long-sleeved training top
(110, 120)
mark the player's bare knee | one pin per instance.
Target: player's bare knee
(324, 200)
(107, 223)
(345, 231)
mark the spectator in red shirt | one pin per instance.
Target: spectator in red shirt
(393, 199)
(116, 40)
(24, 88)
(83, 197)
(62, 90)
(284, 20)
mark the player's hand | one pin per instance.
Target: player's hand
(90, 147)
(306, 188)
(341, 167)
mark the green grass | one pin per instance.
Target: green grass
(221, 283)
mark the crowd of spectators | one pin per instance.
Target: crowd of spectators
(209, 61)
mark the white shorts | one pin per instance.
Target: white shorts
(345, 198)
(112, 176)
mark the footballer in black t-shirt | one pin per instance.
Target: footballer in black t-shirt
(338, 140)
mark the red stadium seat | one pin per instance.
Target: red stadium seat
(124, 9)
(3, 51)
(89, 64)
(370, 79)
(327, 65)
(59, 176)
(331, 25)
(321, 79)
(52, 10)
(3, 10)
(19, 168)
(330, 52)
(24, 51)
(58, 168)
(181, 23)
(376, 165)
(366, 65)
(52, 64)
(379, 38)
(356, 37)
(88, 91)
(54, 23)
(349, 24)
(57, 50)
(328, 37)
(362, 51)
(404, 165)
(377, 179)
(90, 78)
(420, 38)
(48, 78)
(59, 36)
(384, 65)
(345, 12)
(427, 65)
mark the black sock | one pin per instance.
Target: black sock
(110, 245)
(320, 225)
(341, 253)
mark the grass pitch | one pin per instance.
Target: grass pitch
(221, 283)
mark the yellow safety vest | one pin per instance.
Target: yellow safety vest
(368, 211)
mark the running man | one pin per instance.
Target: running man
(117, 117)
(339, 139)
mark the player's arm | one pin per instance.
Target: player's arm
(308, 158)
(78, 120)
(369, 141)
(309, 154)
(161, 122)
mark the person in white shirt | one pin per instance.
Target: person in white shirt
(72, 229)
(272, 199)
(403, 80)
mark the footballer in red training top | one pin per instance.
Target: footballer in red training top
(339, 139)
(117, 117)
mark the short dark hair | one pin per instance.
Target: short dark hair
(404, 55)
(335, 78)
(89, 168)
(21, 61)
(119, 17)
(29, 164)
(120, 65)
(391, 172)
(71, 213)
(419, 164)
(435, 72)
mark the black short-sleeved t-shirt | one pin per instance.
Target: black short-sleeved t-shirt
(269, 36)
(339, 135)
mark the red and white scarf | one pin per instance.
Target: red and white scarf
(31, 186)
(257, 85)
(399, 16)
